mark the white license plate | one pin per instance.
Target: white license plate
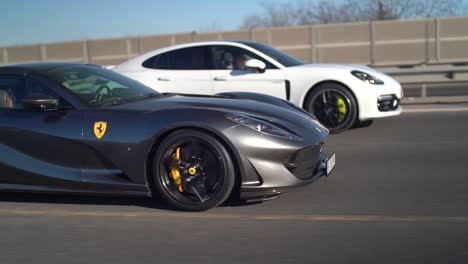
(331, 164)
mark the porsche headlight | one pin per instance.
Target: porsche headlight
(263, 127)
(365, 77)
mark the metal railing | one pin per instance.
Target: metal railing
(426, 76)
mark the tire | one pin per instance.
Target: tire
(333, 105)
(214, 170)
(363, 124)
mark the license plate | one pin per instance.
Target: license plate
(331, 164)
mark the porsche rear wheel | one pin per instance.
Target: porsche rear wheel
(193, 171)
(333, 105)
(363, 124)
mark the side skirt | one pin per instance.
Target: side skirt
(145, 192)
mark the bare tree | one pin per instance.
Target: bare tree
(439, 8)
(324, 12)
(407, 9)
(274, 15)
(254, 21)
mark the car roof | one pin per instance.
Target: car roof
(196, 44)
(38, 67)
(245, 42)
(138, 60)
(207, 43)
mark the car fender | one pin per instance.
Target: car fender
(302, 83)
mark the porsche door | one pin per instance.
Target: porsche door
(183, 71)
(230, 75)
(39, 150)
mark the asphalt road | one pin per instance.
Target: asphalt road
(399, 194)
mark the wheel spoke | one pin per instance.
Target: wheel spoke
(324, 98)
(327, 107)
(198, 171)
(200, 192)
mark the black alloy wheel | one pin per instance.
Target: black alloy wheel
(333, 105)
(193, 171)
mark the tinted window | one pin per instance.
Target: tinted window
(157, 62)
(14, 89)
(233, 58)
(194, 58)
(8, 84)
(36, 87)
(279, 56)
(97, 86)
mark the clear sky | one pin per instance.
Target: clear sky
(44, 21)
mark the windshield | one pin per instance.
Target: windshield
(97, 86)
(279, 56)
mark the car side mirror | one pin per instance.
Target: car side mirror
(40, 102)
(256, 65)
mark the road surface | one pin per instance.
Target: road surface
(399, 194)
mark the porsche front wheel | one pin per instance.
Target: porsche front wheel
(193, 171)
(333, 105)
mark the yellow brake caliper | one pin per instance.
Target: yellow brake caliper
(175, 173)
(342, 108)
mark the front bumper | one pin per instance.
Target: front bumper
(388, 102)
(268, 191)
(270, 165)
(379, 101)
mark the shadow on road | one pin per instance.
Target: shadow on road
(145, 202)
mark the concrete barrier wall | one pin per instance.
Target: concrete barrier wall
(380, 43)
(343, 43)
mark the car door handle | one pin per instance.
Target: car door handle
(164, 79)
(220, 78)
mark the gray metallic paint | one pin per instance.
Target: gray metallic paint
(57, 150)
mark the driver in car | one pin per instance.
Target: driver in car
(6, 99)
(239, 62)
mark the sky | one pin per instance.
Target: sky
(45, 21)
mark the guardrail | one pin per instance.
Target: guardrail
(426, 76)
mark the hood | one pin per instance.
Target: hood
(290, 118)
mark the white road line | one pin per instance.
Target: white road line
(435, 110)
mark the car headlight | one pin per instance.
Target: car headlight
(263, 127)
(365, 77)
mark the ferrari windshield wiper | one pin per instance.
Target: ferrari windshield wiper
(108, 102)
(146, 96)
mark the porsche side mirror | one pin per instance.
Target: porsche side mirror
(40, 102)
(256, 65)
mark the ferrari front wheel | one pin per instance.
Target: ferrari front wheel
(333, 105)
(193, 171)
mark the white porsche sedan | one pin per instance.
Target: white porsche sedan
(340, 96)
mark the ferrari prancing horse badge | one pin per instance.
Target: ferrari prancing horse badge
(100, 129)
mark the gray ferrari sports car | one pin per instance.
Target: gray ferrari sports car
(76, 128)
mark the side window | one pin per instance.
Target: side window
(157, 62)
(9, 84)
(13, 89)
(194, 58)
(234, 58)
(35, 87)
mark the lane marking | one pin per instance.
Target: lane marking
(307, 218)
(435, 110)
